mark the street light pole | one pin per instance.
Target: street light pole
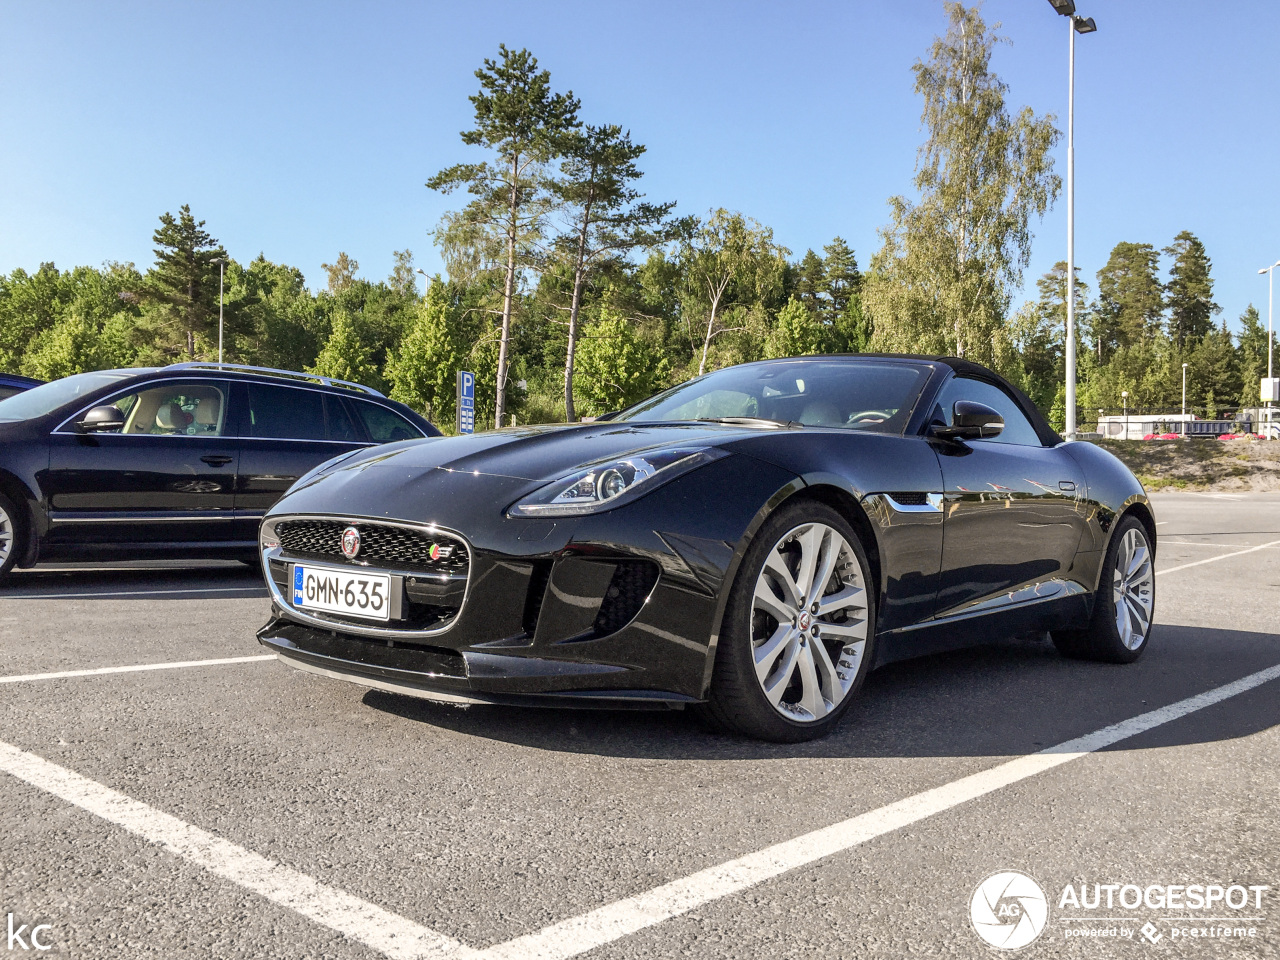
(1124, 398)
(221, 264)
(1269, 271)
(1067, 8)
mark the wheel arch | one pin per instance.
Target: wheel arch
(22, 498)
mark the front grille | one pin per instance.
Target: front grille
(381, 545)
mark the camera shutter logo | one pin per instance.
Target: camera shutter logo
(1009, 910)
(350, 542)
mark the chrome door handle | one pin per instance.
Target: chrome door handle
(217, 460)
(1067, 485)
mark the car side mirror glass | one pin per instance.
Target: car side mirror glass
(99, 419)
(970, 420)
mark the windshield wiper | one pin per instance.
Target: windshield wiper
(750, 421)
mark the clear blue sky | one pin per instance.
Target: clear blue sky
(302, 129)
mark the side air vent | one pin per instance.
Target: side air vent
(631, 585)
(910, 499)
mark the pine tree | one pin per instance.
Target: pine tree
(346, 355)
(607, 219)
(842, 281)
(1130, 300)
(1189, 291)
(184, 280)
(524, 124)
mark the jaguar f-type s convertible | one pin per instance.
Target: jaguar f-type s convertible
(752, 542)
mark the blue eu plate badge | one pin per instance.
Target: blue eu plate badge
(297, 584)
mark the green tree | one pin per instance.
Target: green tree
(1253, 356)
(1189, 291)
(341, 273)
(1130, 300)
(347, 355)
(423, 369)
(810, 282)
(607, 219)
(796, 333)
(402, 279)
(728, 261)
(842, 281)
(524, 124)
(942, 280)
(616, 367)
(183, 284)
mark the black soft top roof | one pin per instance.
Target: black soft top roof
(967, 368)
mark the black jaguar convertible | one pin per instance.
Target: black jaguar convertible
(751, 542)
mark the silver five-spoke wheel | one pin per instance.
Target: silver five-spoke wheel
(809, 622)
(1132, 581)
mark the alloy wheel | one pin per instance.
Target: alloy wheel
(1132, 582)
(809, 622)
(6, 535)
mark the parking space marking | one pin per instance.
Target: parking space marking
(403, 939)
(136, 668)
(386, 932)
(1198, 543)
(262, 590)
(598, 927)
(1238, 553)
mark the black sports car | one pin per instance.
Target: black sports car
(752, 541)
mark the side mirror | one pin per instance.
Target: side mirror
(970, 420)
(103, 418)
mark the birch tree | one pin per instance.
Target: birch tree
(728, 260)
(942, 280)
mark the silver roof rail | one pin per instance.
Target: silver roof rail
(272, 371)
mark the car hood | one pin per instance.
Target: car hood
(543, 453)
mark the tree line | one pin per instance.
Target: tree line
(569, 293)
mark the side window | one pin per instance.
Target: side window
(1017, 428)
(384, 426)
(285, 413)
(177, 409)
(341, 426)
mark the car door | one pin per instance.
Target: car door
(286, 430)
(167, 476)
(1013, 508)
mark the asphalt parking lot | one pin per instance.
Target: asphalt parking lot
(229, 806)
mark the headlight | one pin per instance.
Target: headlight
(612, 483)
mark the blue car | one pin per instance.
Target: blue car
(11, 383)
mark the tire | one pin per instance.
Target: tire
(811, 660)
(13, 540)
(1124, 606)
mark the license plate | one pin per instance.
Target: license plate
(341, 591)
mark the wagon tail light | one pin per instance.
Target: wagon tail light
(612, 483)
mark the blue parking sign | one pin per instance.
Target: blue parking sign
(466, 402)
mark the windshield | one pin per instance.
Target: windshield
(850, 394)
(48, 397)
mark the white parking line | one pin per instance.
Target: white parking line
(136, 668)
(1238, 553)
(129, 593)
(355, 918)
(403, 939)
(1198, 543)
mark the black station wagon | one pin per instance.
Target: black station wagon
(180, 461)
